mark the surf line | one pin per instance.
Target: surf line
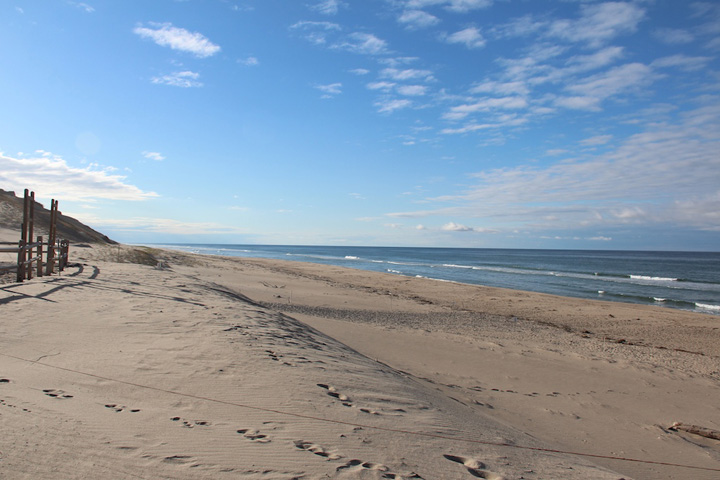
(352, 424)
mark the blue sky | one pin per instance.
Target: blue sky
(468, 123)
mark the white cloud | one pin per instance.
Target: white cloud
(417, 19)
(502, 121)
(412, 90)
(165, 35)
(578, 103)
(327, 7)
(485, 105)
(596, 140)
(601, 58)
(186, 79)
(674, 36)
(330, 90)
(384, 86)
(406, 74)
(599, 22)
(682, 61)
(667, 174)
(501, 88)
(615, 81)
(459, 6)
(389, 106)
(360, 71)
(157, 156)
(157, 225)
(316, 32)
(51, 175)
(249, 61)
(456, 227)
(470, 37)
(83, 6)
(518, 27)
(363, 43)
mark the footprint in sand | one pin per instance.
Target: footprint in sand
(317, 450)
(360, 465)
(332, 391)
(190, 423)
(476, 468)
(120, 408)
(178, 459)
(253, 435)
(51, 392)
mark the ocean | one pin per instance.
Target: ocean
(682, 280)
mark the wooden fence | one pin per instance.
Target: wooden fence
(30, 254)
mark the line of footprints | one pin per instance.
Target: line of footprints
(474, 467)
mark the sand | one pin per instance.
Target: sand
(207, 367)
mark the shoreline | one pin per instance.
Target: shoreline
(222, 250)
(249, 359)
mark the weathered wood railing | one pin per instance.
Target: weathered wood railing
(29, 253)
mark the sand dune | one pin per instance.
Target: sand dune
(202, 367)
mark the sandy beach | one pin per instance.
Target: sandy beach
(144, 363)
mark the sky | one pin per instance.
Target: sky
(451, 123)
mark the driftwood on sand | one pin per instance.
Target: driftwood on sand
(696, 430)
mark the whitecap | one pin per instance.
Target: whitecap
(654, 279)
(705, 306)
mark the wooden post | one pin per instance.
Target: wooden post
(39, 255)
(22, 254)
(21, 261)
(51, 239)
(30, 232)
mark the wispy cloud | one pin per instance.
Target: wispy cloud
(330, 90)
(390, 105)
(596, 140)
(599, 23)
(52, 176)
(683, 62)
(406, 74)
(460, 6)
(157, 156)
(363, 43)
(315, 32)
(470, 37)
(412, 90)
(249, 61)
(327, 7)
(674, 36)
(157, 225)
(634, 183)
(486, 105)
(186, 79)
(625, 78)
(415, 19)
(82, 6)
(166, 35)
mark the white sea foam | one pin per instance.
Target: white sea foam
(450, 265)
(351, 257)
(654, 279)
(705, 306)
(658, 299)
(393, 271)
(601, 292)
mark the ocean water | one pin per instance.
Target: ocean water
(682, 280)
